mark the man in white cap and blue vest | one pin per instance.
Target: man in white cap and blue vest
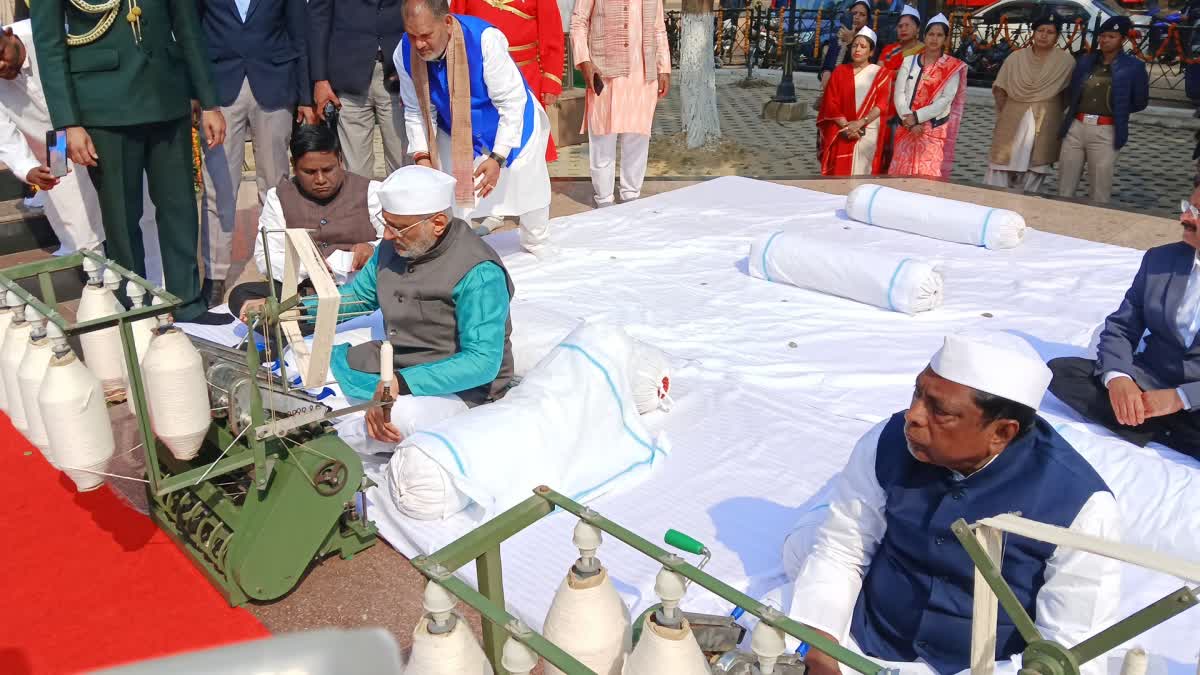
(444, 295)
(884, 575)
(470, 113)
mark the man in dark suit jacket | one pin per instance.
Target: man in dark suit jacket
(1152, 395)
(351, 43)
(258, 52)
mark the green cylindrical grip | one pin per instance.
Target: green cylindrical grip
(683, 542)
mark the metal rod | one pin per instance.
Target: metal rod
(1134, 624)
(991, 574)
(136, 394)
(476, 542)
(491, 585)
(46, 282)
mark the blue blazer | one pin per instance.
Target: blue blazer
(1151, 304)
(270, 49)
(1130, 92)
(345, 37)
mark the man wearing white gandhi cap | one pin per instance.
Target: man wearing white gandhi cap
(444, 295)
(879, 569)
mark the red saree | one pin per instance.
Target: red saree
(837, 151)
(932, 152)
(893, 55)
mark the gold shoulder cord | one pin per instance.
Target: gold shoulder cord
(110, 10)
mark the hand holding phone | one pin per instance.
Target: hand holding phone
(597, 83)
(56, 152)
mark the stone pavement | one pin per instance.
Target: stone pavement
(1153, 171)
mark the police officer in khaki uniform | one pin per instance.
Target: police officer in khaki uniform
(119, 77)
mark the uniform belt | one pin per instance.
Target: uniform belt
(1101, 120)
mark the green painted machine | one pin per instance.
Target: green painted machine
(983, 541)
(273, 488)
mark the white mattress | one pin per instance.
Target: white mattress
(781, 381)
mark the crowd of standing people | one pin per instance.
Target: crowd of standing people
(897, 109)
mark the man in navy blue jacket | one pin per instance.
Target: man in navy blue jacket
(258, 52)
(1153, 394)
(351, 44)
(1108, 85)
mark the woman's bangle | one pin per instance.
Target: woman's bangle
(418, 156)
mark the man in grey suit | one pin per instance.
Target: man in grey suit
(1154, 394)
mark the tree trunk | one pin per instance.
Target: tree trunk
(698, 89)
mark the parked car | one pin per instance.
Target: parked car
(1021, 13)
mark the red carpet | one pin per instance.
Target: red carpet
(88, 582)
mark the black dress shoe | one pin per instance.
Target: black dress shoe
(213, 292)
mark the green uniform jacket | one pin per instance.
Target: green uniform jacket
(115, 81)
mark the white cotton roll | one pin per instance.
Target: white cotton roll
(421, 488)
(6, 317)
(12, 352)
(535, 333)
(589, 621)
(888, 280)
(176, 392)
(1135, 662)
(30, 376)
(453, 653)
(936, 217)
(80, 432)
(666, 650)
(102, 348)
(651, 378)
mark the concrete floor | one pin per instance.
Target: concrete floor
(380, 587)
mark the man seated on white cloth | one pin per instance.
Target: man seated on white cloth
(884, 568)
(486, 129)
(444, 295)
(339, 209)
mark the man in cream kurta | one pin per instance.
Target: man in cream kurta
(71, 204)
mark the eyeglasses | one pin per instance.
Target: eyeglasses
(398, 231)
(1186, 207)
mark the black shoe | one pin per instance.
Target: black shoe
(213, 319)
(213, 292)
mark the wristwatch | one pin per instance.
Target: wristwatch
(500, 159)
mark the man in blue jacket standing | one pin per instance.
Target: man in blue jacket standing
(258, 52)
(1107, 86)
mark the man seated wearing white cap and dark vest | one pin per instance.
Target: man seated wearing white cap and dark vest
(880, 571)
(444, 295)
(340, 210)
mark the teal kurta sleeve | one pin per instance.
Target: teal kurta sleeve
(360, 294)
(481, 310)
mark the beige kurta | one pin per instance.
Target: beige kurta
(864, 149)
(1035, 86)
(626, 104)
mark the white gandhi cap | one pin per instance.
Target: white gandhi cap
(1000, 364)
(909, 10)
(416, 191)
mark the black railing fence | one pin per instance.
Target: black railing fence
(755, 37)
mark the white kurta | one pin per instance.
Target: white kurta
(1014, 173)
(864, 149)
(72, 206)
(829, 559)
(524, 185)
(272, 218)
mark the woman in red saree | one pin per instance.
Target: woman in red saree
(856, 102)
(930, 92)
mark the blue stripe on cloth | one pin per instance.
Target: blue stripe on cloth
(871, 203)
(766, 247)
(983, 232)
(449, 446)
(892, 283)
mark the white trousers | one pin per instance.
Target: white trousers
(602, 160)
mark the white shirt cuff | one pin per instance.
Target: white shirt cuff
(1187, 403)
(1112, 375)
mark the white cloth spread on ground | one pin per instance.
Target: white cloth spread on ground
(571, 423)
(936, 217)
(895, 282)
(778, 386)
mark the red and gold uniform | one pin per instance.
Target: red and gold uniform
(535, 40)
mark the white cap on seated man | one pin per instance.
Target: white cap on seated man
(884, 575)
(444, 295)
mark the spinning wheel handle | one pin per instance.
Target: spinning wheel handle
(330, 477)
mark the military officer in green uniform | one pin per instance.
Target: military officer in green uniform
(119, 77)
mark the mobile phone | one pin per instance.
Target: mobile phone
(597, 83)
(331, 115)
(56, 152)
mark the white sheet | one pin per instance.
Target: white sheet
(779, 382)
(886, 280)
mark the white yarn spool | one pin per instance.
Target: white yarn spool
(650, 378)
(30, 375)
(6, 317)
(176, 392)
(12, 351)
(663, 650)
(1136, 662)
(80, 433)
(516, 658)
(143, 331)
(589, 621)
(101, 348)
(452, 653)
